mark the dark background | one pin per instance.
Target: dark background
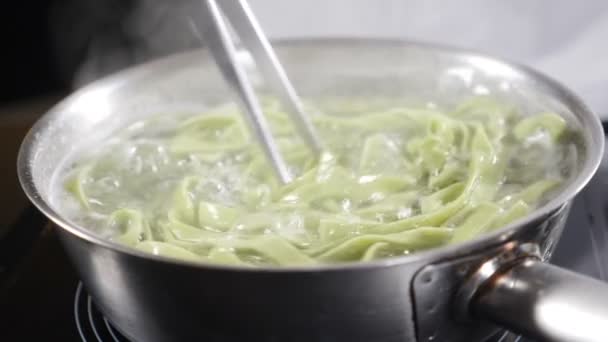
(29, 67)
(46, 41)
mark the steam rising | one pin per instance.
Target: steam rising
(96, 37)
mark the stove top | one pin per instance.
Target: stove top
(41, 297)
(92, 326)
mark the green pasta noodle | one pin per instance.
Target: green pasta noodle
(76, 185)
(166, 250)
(393, 180)
(373, 252)
(517, 211)
(553, 124)
(131, 224)
(354, 248)
(224, 256)
(479, 220)
(216, 216)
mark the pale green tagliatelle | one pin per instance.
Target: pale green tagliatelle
(392, 181)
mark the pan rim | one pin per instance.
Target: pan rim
(591, 126)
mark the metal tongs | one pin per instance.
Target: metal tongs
(219, 41)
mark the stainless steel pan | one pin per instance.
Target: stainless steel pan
(455, 293)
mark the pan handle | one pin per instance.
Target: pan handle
(544, 302)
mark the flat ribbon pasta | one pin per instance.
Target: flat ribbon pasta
(392, 181)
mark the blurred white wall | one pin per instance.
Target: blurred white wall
(566, 39)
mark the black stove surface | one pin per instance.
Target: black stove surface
(90, 322)
(41, 299)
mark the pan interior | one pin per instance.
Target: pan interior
(415, 74)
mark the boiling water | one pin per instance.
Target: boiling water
(394, 180)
